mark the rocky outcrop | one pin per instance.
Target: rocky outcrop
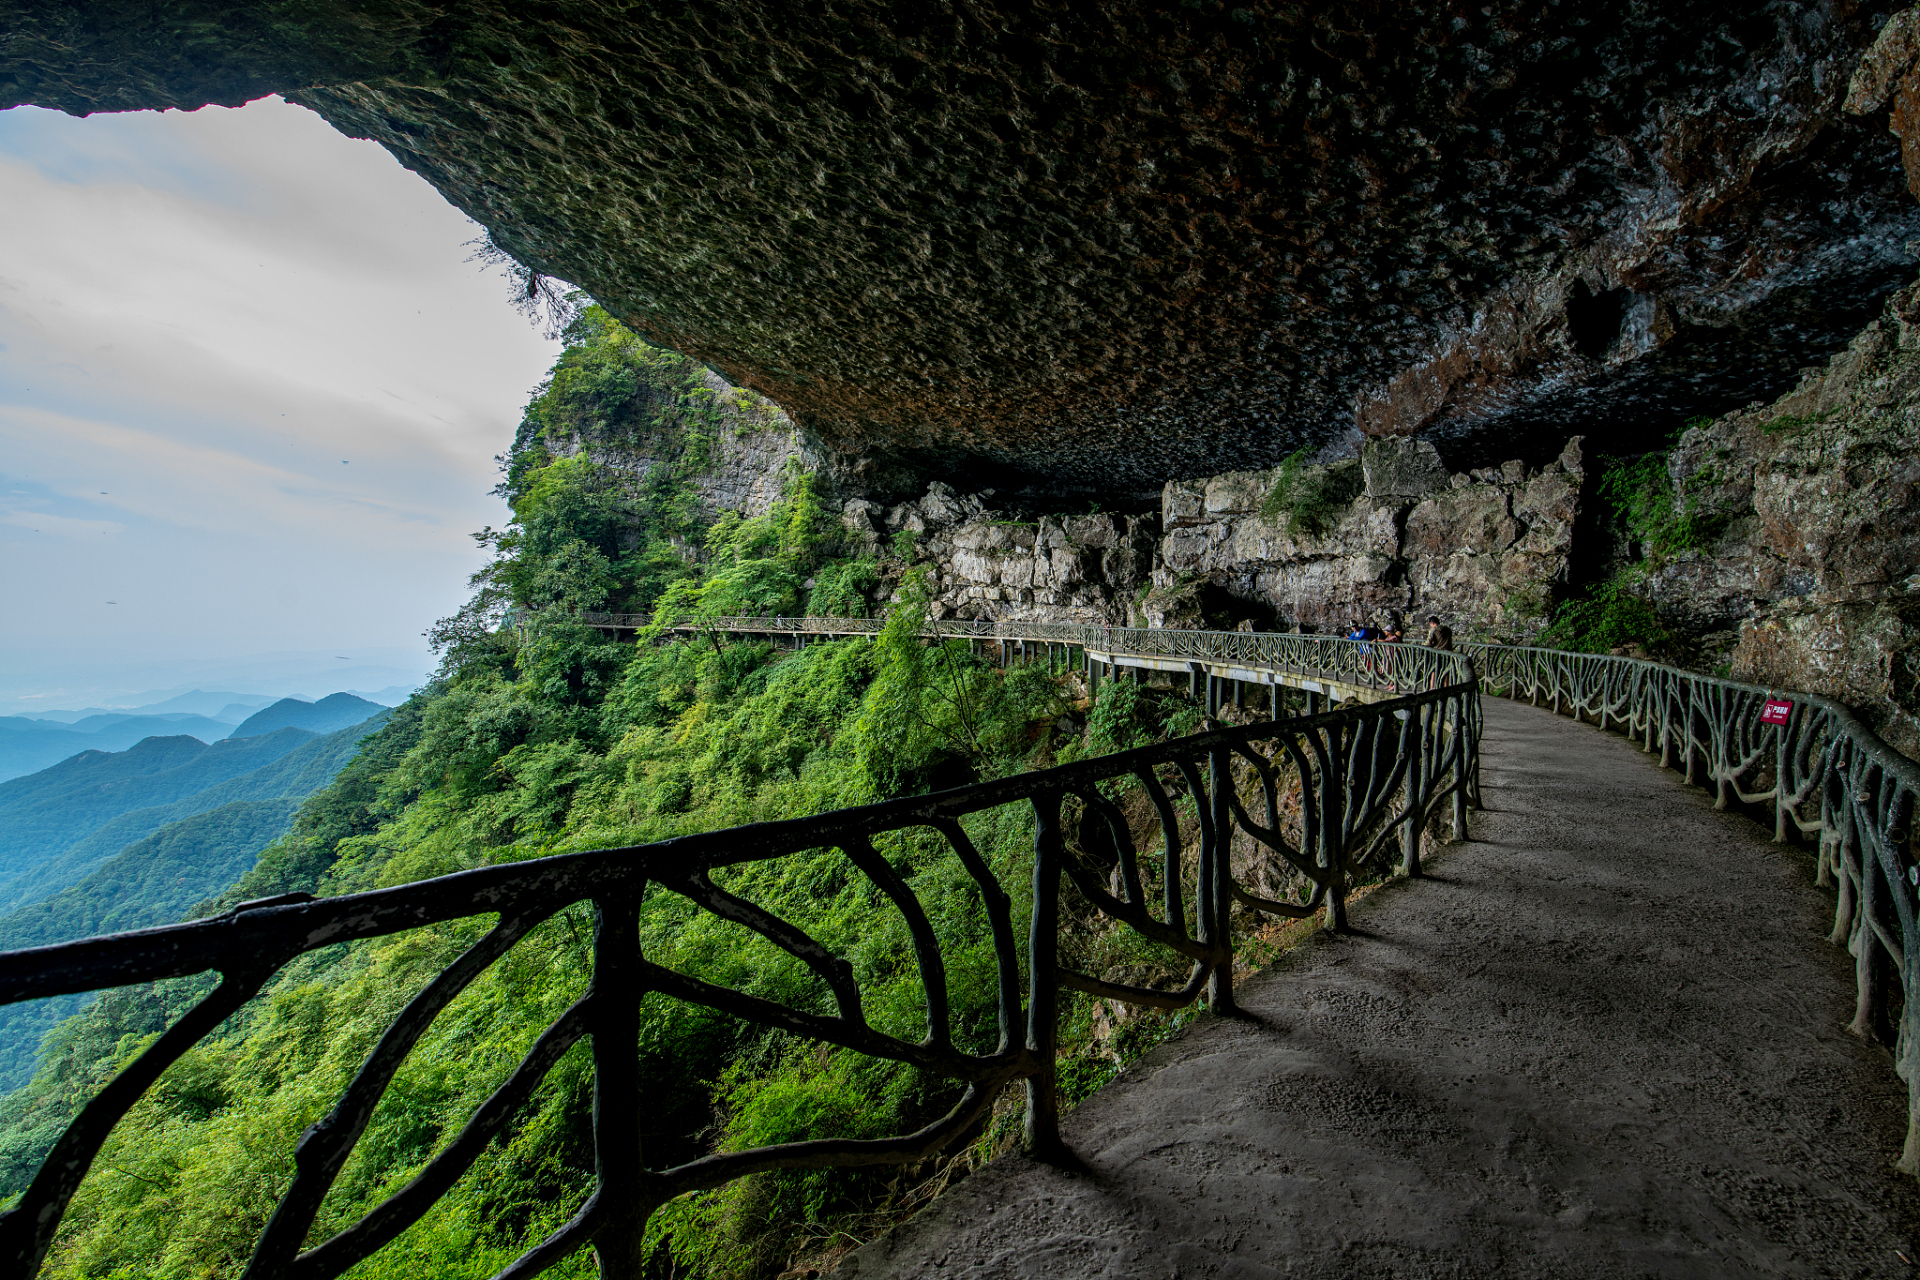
(750, 451)
(1487, 551)
(985, 563)
(1814, 506)
(743, 449)
(1099, 246)
(1889, 74)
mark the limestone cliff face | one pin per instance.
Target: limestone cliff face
(1486, 550)
(746, 446)
(1808, 575)
(987, 563)
(1818, 565)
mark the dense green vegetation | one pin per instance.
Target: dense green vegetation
(155, 880)
(1606, 616)
(1658, 518)
(546, 736)
(1311, 498)
(305, 769)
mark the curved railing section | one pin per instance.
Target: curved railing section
(1372, 665)
(1811, 764)
(1146, 837)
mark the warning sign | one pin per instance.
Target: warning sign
(1776, 711)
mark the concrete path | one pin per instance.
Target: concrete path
(1605, 1039)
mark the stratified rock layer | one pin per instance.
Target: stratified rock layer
(1103, 246)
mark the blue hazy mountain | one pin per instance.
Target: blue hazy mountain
(27, 746)
(304, 769)
(45, 813)
(335, 711)
(147, 865)
(203, 702)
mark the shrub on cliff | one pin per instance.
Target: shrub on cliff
(1310, 498)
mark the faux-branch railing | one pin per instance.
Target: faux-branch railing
(1824, 775)
(1330, 795)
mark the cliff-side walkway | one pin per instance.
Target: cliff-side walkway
(1604, 1039)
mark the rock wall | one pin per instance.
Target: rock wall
(1809, 578)
(1817, 569)
(987, 563)
(748, 440)
(1487, 550)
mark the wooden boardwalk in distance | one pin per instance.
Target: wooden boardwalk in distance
(1605, 1039)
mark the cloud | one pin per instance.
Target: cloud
(263, 341)
(60, 526)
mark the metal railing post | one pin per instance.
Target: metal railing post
(618, 1166)
(1043, 982)
(1217, 885)
(1462, 767)
(1416, 792)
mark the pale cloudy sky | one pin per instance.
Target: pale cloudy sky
(250, 394)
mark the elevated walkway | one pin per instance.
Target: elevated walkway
(1607, 1038)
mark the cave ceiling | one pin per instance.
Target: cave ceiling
(1100, 246)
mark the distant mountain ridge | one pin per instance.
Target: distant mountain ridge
(308, 767)
(32, 742)
(30, 745)
(44, 813)
(335, 711)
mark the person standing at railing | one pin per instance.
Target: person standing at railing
(1440, 637)
(1365, 635)
(1390, 634)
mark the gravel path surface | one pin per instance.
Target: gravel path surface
(1604, 1039)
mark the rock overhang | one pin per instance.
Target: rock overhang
(1094, 248)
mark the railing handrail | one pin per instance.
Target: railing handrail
(1357, 659)
(1862, 734)
(194, 946)
(1376, 771)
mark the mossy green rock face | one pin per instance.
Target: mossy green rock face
(1102, 246)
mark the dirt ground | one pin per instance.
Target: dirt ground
(1605, 1039)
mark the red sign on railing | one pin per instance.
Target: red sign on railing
(1776, 711)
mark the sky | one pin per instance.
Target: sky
(251, 391)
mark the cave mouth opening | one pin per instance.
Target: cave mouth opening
(1224, 610)
(1595, 320)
